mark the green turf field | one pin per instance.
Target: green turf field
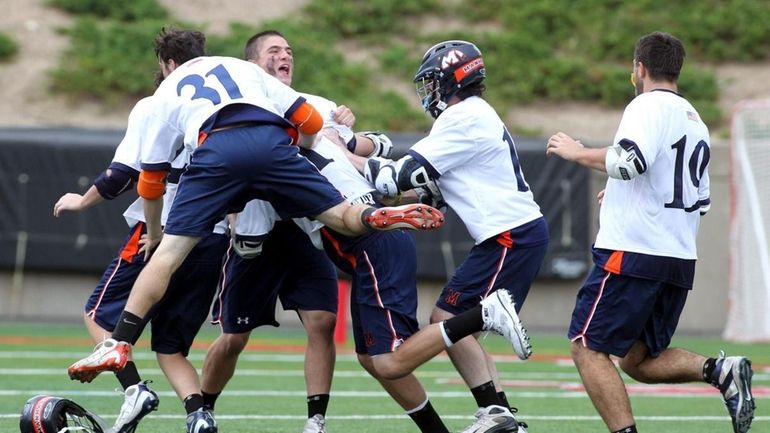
(267, 393)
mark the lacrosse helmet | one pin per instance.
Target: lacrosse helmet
(49, 414)
(447, 68)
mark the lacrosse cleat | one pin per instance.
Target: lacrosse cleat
(493, 419)
(109, 355)
(732, 376)
(411, 216)
(315, 424)
(201, 421)
(499, 313)
(139, 401)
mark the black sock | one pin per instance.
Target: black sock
(464, 324)
(129, 375)
(708, 370)
(503, 399)
(629, 429)
(193, 402)
(427, 420)
(209, 399)
(128, 328)
(317, 404)
(485, 394)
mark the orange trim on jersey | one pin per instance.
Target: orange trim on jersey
(307, 119)
(152, 184)
(202, 136)
(614, 262)
(505, 239)
(467, 68)
(132, 246)
(337, 248)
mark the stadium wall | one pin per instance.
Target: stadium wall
(61, 268)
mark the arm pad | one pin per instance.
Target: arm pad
(116, 180)
(152, 184)
(383, 146)
(390, 178)
(307, 119)
(624, 161)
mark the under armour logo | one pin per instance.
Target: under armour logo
(452, 297)
(242, 320)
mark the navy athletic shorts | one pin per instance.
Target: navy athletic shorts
(237, 165)
(289, 268)
(613, 311)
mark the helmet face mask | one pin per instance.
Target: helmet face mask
(49, 414)
(447, 68)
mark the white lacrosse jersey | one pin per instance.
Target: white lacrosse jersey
(473, 160)
(330, 160)
(658, 212)
(129, 153)
(200, 88)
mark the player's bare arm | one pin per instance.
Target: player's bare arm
(566, 147)
(75, 202)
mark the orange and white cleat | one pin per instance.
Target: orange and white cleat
(109, 355)
(411, 216)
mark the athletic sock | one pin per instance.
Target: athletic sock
(503, 399)
(464, 324)
(708, 369)
(209, 400)
(486, 395)
(427, 419)
(192, 403)
(128, 328)
(128, 376)
(629, 429)
(317, 404)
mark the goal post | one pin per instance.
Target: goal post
(748, 316)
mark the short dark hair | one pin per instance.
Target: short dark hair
(179, 45)
(662, 54)
(475, 89)
(251, 51)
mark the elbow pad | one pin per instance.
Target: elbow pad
(624, 161)
(116, 180)
(390, 178)
(383, 146)
(307, 119)
(152, 184)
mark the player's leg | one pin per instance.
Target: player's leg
(320, 356)
(650, 360)
(409, 393)
(178, 320)
(611, 312)
(246, 300)
(604, 386)
(384, 314)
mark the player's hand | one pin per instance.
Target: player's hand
(561, 144)
(344, 116)
(69, 201)
(600, 197)
(148, 245)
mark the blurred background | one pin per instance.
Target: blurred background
(71, 70)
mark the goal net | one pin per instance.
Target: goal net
(748, 317)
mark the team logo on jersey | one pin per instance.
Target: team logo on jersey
(451, 58)
(452, 297)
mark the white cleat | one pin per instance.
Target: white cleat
(493, 419)
(315, 424)
(499, 313)
(139, 401)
